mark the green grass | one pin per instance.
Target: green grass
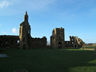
(49, 60)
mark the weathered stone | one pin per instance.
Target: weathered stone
(76, 42)
(24, 32)
(9, 41)
(57, 40)
(24, 40)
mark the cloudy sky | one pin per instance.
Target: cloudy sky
(77, 17)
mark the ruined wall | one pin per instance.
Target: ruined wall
(38, 42)
(67, 44)
(76, 42)
(7, 41)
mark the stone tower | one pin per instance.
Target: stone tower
(57, 39)
(24, 32)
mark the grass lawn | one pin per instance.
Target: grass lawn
(49, 60)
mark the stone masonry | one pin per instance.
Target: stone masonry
(57, 40)
(24, 32)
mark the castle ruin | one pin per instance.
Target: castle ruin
(25, 41)
(57, 40)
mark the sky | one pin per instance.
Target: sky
(77, 17)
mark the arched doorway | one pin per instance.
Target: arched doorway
(59, 44)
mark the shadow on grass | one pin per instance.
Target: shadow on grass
(46, 60)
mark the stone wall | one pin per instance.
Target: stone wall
(76, 42)
(38, 42)
(8, 41)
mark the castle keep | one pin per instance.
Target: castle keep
(25, 41)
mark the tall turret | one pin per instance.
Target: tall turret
(26, 17)
(24, 32)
